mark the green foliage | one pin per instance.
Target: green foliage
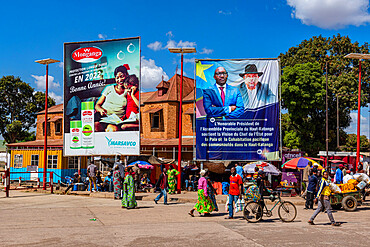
(351, 143)
(19, 104)
(304, 82)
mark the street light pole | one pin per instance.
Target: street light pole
(181, 51)
(360, 57)
(358, 117)
(46, 62)
(327, 126)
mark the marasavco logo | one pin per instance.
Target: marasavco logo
(121, 143)
(87, 54)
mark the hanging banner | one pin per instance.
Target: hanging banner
(102, 97)
(238, 109)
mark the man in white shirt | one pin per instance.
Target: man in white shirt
(347, 177)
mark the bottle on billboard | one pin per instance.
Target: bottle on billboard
(87, 118)
(75, 130)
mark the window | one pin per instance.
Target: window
(58, 127)
(157, 121)
(73, 162)
(34, 160)
(52, 161)
(18, 161)
(43, 128)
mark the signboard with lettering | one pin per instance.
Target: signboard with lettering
(238, 109)
(102, 97)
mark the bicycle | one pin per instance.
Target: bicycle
(253, 211)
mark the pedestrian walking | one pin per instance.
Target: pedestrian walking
(137, 178)
(323, 197)
(162, 185)
(339, 174)
(204, 204)
(212, 193)
(311, 189)
(117, 183)
(306, 172)
(234, 191)
(91, 171)
(172, 173)
(128, 199)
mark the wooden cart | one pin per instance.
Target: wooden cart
(349, 200)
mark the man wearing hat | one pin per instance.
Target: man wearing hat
(339, 174)
(222, 100)
(254, 93)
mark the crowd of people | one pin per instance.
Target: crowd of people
(126, 181)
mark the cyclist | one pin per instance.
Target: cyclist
(262, 188)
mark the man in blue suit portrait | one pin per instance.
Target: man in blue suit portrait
(254, 93)
(222, 100)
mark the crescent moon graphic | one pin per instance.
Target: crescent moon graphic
(120, 55)
(131, 48)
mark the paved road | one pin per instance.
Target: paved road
(35, 219)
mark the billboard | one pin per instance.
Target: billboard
(238, 109)
(101, 97)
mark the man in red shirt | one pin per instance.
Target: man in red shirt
(162, 184)
(234, 191)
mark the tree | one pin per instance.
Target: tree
(307, 110)
(351, 143)
(303, 88)
(19, 104)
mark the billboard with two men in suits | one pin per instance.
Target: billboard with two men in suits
(238, 109)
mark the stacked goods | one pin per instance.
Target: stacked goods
(335, 188)
(350, 186)
(362, 177)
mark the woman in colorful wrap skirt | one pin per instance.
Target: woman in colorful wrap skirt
(117, 183)
(172, 173)
(204, 203)
(128, 200)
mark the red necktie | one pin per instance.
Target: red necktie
(222, 95)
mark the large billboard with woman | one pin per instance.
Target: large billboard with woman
(101, 97)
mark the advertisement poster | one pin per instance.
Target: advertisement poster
(101, 97)
(238, 109)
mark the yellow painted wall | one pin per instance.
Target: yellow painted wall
(27, 157)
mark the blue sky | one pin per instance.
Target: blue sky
(32, 30)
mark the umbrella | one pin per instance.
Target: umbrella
(300, 163)
(266, 167)
(142, 164)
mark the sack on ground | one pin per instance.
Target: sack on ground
(239, 205)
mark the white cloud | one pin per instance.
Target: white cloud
(40, 81)
(151, 74)
(58, 99)
(364, 124)
(155, 46)
(189, 60)
(206, 51)
(169, 34)
(170, 44)
(331, 14)
(102, 36)
(224, 12)
(61, 65)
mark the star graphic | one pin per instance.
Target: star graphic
(200, 68)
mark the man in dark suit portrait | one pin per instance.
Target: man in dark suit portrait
(254, 93)
(222, 100)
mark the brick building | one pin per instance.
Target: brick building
(160, 118)
(159, 133)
